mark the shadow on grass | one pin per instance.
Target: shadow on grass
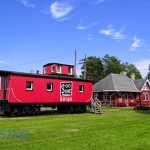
(142, 111)
(42, 113)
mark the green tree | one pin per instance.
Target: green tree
(94, 68)
(111, 64)
(131, 69)
(148, 76)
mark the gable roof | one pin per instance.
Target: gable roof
(140, 83)
(115, 82)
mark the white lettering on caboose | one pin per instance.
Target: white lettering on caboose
(66, 91)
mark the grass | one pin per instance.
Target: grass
(115, 129)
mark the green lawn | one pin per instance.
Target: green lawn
(115, 129)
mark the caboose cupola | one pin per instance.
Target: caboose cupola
(58, 69)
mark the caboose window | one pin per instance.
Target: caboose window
(49, 86)
(29, 85)
(58, 68)
(44, 69)
(70, 70)
(81, 88)
(52, 68)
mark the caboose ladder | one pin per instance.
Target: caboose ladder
(96, 106)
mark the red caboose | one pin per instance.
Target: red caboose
(22, 93)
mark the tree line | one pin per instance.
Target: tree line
(97, 68)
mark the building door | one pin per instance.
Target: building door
(126, 100)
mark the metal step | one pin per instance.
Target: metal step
(96, 106)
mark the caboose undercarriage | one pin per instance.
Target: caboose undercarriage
(11, 109)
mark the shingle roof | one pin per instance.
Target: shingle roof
(115, 82)
(139, 83)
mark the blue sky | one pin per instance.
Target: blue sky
(36, 32)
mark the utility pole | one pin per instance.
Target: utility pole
(84, 61)
(75, 62)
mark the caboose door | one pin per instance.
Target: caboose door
(3, 87)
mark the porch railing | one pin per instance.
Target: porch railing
(108, 103)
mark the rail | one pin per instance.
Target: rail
(96, 106)
(108, 103)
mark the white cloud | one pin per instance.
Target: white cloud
(98, 2)
(107, 31)
(81, 27)
(136, 43)
(3, 62)
(60, 9)
(117, 35)
(143, 66)
(89, 37)
(26, 3)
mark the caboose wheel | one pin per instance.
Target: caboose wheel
(60, 108)
(36, 111)
(11, 112)
(70, 109)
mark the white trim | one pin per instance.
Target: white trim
(112, 95)
(51, 89)
(29, 89)
(147, 81)
(144, 96)
(81, 91)
(15, 96)
(111, 91)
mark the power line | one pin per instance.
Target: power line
(30, 62)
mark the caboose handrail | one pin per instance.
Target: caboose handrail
(15, 96)
(96, 105)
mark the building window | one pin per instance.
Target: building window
(29, 85)
(52, 68)
(70, 70)
(58, 68)
(120, 96)
(105, 96)
(137, 96)
(44, 69)
(49, 87)
(131, 96)
(145, 96)
(81, 88)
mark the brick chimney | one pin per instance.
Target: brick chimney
(132, 76)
